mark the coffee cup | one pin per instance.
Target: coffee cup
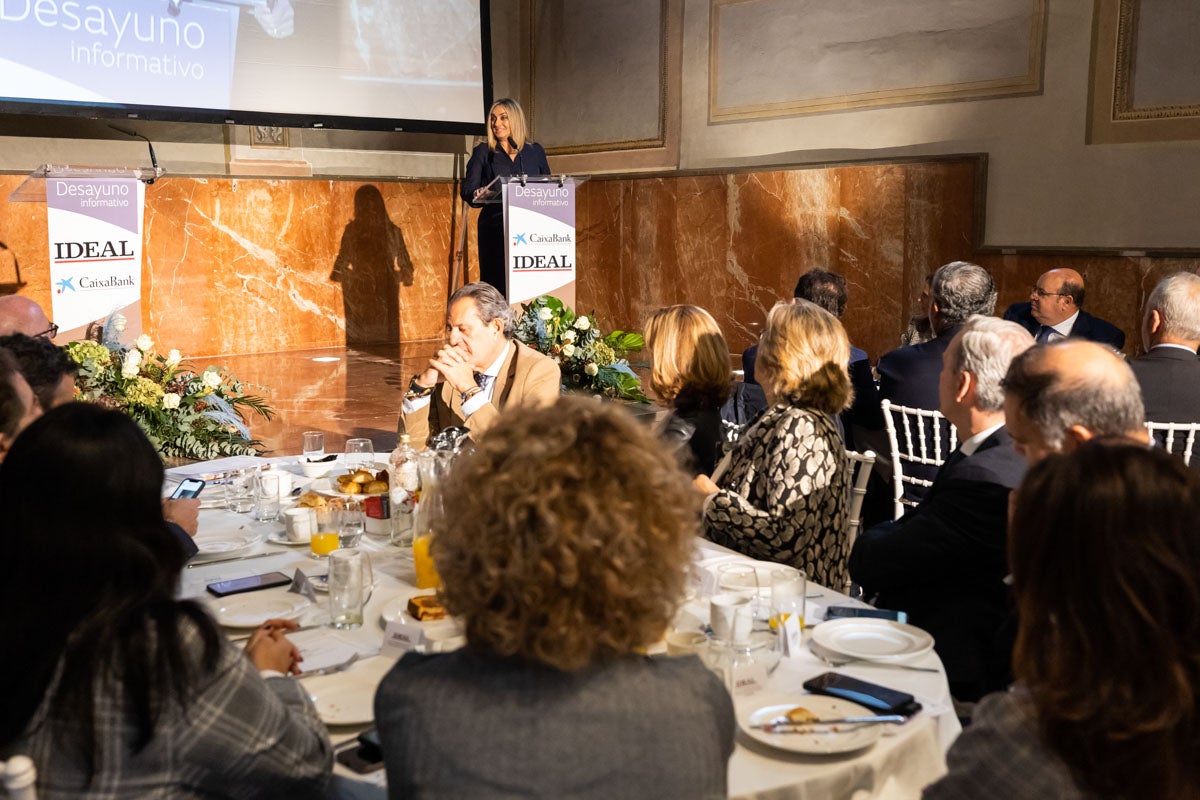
(724, 617)
(300, 524)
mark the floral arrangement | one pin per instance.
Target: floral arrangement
(589, 360)
(185, 414)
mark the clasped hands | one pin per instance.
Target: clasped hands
(269, 648)
(453, 365)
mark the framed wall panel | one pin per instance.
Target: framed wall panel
(775, 58)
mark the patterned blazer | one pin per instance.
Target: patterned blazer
(785, 496)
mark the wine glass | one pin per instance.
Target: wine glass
(360, 454)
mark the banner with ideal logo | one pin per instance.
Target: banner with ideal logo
(539, 223)
(95, 227)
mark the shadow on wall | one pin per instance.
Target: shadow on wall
(371, 263)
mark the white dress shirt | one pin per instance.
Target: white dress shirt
(475, 403)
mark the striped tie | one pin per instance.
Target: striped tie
(1043, 334)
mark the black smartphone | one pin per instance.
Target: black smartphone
(250, 584)
(872, 695)
(366, 757)
(841, 612)
(187, 489)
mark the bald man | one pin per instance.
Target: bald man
(1057, 396)
(21, 315)
(1055, 312)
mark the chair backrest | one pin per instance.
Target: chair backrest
(915, 436)
(20, 777)
(1178, 438)
(859, 469)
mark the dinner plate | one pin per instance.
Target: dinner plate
(251, 609)
(280, 537)
(441, 635)
(824, 740)
(872, 639)
(328, 488)
(224, 545)
(348, 698)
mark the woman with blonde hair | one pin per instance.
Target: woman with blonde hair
(507, 152)
(689, 371)
(784, 496)
(562, 549)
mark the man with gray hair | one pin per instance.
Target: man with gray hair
(479, 371)
(944, 561)
(1057, 396)
(1169, 372)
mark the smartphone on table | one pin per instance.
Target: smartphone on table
(187, 489)
(878, 698)
(249, 584)
(845, 612)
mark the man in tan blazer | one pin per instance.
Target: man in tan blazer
(480, 371)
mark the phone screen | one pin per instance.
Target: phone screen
(250, 584)
(872, 695)
(840, 612)
(187, 489)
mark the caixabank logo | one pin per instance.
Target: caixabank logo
(89, 283)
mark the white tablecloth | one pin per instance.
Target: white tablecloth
(897, 766)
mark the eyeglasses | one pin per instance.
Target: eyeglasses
(1040, 292)
(50, 332)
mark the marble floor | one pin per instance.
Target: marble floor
(345, 392)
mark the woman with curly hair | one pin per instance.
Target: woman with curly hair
(111, 685)
(562, 549)
(1105, 552)
(689, 371)
(784, 496)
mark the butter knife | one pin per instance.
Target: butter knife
(227, 560)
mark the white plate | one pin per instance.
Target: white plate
(328, 487)
(348, 698)
(224, 545)
(872, 639)
(251, 609)
(824, 740)
(280, 537)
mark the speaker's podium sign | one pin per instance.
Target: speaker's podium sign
(539, 235)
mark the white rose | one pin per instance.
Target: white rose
(129, 370)
(171, 400)
(212, 379)
(144, 343)
(591, 368)
(583, 323)
(173, 358)
(545, 313)
(568, 350)
(568, 336)
(119, 322)
(133, 359)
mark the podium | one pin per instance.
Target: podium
(539, 234)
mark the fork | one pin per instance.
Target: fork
(868, 662)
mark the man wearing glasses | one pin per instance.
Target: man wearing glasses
(21, 315)
(1055, 311)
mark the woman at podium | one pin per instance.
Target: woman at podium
(506, 153)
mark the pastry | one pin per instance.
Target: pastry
(425, 608)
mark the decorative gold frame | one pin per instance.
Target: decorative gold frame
(1114, 118)
(1029, 83)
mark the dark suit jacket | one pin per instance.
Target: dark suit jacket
(1170, 381)
(944, 563)
(1086, 326)
(864, 412)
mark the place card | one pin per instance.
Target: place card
(793, 636)
(402, 635)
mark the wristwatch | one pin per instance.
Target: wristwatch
(416, 391)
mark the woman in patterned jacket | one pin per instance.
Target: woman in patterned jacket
(784, 494)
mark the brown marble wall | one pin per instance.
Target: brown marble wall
(245, 266)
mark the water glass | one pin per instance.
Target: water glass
(266, 497)
(350, 579)
(352, 522)
(314, 445)
(360, 454)
(742, 579)
(788, 587)
(239, 490)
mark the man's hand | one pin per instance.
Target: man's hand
(269, 648)
(184, 512)
(455, 367)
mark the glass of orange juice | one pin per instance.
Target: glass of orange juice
(323, 543)
(427, 577)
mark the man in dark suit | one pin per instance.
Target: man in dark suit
(908, 376)
(944, 562)
(828, 290)
(1169, 372)
(1055, 311)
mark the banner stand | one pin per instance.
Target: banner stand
(33, 188)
